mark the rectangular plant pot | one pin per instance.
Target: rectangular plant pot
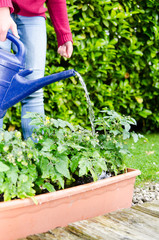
(20, 218)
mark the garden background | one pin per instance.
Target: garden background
(116, 50)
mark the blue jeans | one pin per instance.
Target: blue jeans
(32, 32)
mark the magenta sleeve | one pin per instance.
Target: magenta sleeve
(7, 3)
(58, 14)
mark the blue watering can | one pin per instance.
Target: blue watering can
(13, 85)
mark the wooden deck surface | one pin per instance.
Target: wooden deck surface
(136, 223)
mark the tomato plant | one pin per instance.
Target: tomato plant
(60, 154)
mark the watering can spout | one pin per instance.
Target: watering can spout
(21, 88)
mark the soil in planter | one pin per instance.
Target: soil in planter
(87, 179)
(80, 181)
(1, 197)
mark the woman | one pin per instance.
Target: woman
(26, 20)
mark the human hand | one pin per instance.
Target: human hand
(6, 23)
(66, 49)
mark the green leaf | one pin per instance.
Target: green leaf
(127, 126)
(113, 42)
(9, 190)
(23, 178)
(126, 135)
(1, 179)
(145, 113)
(101, 163)
(45, 168)
(59, 178)
(49, 187)
(30, 143)
(74, 163)
(113, 13)
(61, 148)
(95, 154)
(138, 52)
(80, 37)
(85, 6)
(12, 174)
(62, 165)
(84, 166)
(25, 189)
(62, 123)
(4, 167)
(106, 23)
(90, 13)
(100, 43)
(135, 137)
(94, 175)
(47, 144)
(7, 136)
(34, 200)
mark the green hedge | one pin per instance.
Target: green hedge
(116, 50)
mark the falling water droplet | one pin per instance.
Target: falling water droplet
(91, 112)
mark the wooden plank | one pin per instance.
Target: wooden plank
(141, 224)
(63, 234)
(149, 208)
(90, 230)
(120, 230)
(129, 224)
(56, 234)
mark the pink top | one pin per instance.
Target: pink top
(57, 10)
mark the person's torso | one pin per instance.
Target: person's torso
(29, 7)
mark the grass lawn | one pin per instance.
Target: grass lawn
(145, 158)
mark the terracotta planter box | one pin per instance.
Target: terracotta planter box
(20, 218)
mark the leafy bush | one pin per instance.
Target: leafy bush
(116, 51)
(62, 154)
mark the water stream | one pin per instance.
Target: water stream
(91, 112)
(104, 174)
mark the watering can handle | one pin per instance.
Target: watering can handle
(21, 49)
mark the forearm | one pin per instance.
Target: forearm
(58, 14)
